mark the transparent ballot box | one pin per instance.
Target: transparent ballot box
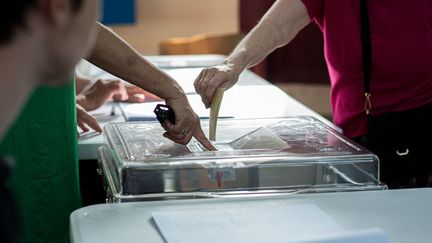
(254, 157)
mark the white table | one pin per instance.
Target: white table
(403, 215)
(251, 97)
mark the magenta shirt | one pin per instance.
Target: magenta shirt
(401, 36)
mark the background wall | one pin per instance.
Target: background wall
(161, 19)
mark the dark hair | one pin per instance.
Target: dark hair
(12, 15)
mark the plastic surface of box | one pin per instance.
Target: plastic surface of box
(255, 156)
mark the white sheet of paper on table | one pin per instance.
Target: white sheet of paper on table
(293, 223)
(239, 102)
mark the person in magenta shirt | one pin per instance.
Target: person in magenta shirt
(397, 123)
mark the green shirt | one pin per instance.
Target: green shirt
(43, 141)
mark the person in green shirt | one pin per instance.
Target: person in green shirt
(33, 34)
(43, 139)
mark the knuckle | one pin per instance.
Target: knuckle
(210, 91)
(213, 85)
(116, 84)
(222, 76)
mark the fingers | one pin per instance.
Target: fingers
(203, 89)
(210, 79)
(101, 92)
(197, 82)
(187, 124)
(183, 134)
(84, 119)
(183, 139)
(210, 91)
(83, 127)
(201, 84)
(133, 89)
(200, 136)
(149, 97)
(182, 131)
(118, 90)
(92, 122)
(207, 76)
(138, 95)
(136, 98)
(179, 133)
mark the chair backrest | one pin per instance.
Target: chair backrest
(200, 44)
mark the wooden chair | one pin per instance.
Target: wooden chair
(200, 44)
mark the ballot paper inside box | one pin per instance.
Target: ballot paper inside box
(254, 157)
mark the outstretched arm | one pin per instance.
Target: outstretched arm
(114, 55)
(277, 28)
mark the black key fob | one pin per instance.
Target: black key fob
(164, 112)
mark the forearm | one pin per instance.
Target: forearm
(277, 28)
(114, 55)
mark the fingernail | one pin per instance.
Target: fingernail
(139, 96)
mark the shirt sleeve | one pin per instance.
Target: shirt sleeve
(315, 10)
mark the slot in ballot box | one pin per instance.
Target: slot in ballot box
(255, 157)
